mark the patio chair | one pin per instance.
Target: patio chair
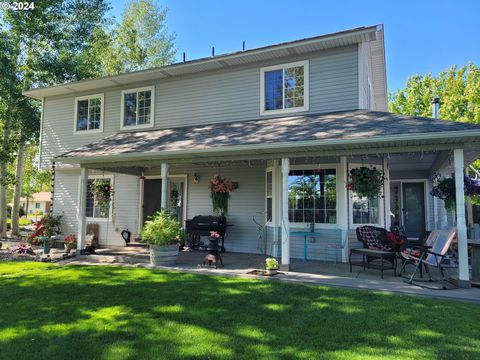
(416, 247)
(336, 247)
(432, 256)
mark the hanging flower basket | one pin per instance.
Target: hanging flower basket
(220, 189)
(103, 192)
(366, 181)
(444, 189)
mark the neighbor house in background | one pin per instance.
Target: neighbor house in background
(37, 203)
(276, 120)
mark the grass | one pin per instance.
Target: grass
(102, 312)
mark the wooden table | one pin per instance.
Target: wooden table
(475, 261)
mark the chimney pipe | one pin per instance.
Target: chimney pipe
(435, 104)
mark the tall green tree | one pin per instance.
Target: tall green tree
(62, 41)
(41, 47)
(141, 40)
(457, 88)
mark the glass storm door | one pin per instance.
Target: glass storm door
(414, 208)
(176, 198)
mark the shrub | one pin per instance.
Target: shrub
(162, 229)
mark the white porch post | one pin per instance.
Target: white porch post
(82, 202)
(343, 206)
(164, 174)
(463, 274)
(285, 225)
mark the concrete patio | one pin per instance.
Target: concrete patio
(308, 272)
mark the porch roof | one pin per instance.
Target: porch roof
(347, 130)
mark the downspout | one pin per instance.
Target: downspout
(42, 111)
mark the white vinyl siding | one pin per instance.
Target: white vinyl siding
(216, 96)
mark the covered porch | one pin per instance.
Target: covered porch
(266, 159)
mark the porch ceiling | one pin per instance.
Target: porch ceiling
(332, 134)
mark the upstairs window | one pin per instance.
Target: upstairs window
(284, 88)
(137, 108)
(89, 113)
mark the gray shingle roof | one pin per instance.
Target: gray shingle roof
(346, 125)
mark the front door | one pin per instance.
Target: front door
(413, 201)
(152, 196)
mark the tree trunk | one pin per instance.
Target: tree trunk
(17, 190)
(4, 182)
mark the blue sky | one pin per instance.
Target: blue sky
(420, 36)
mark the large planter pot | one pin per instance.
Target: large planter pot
(271, 272)
(164, 255)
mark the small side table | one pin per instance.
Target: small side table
(475, 261)
(305, 234)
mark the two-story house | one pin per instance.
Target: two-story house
(269, 119)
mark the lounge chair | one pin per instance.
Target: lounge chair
(432, 256)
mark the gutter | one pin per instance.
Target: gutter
(283, 145)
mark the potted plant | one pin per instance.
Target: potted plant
(271, 266)
(366, 182)
(70, 242)
(220, 189)
(444, 189)
(163, 233)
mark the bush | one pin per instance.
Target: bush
(162, 229)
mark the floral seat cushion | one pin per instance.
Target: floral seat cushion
(369, 238)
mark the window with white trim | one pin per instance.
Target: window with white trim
(92, 209)
(365, 211)
(269, 196)
(89, 113)
(284, 88)
(138, 107)
(312, 196)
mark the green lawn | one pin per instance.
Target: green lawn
(101, 312)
